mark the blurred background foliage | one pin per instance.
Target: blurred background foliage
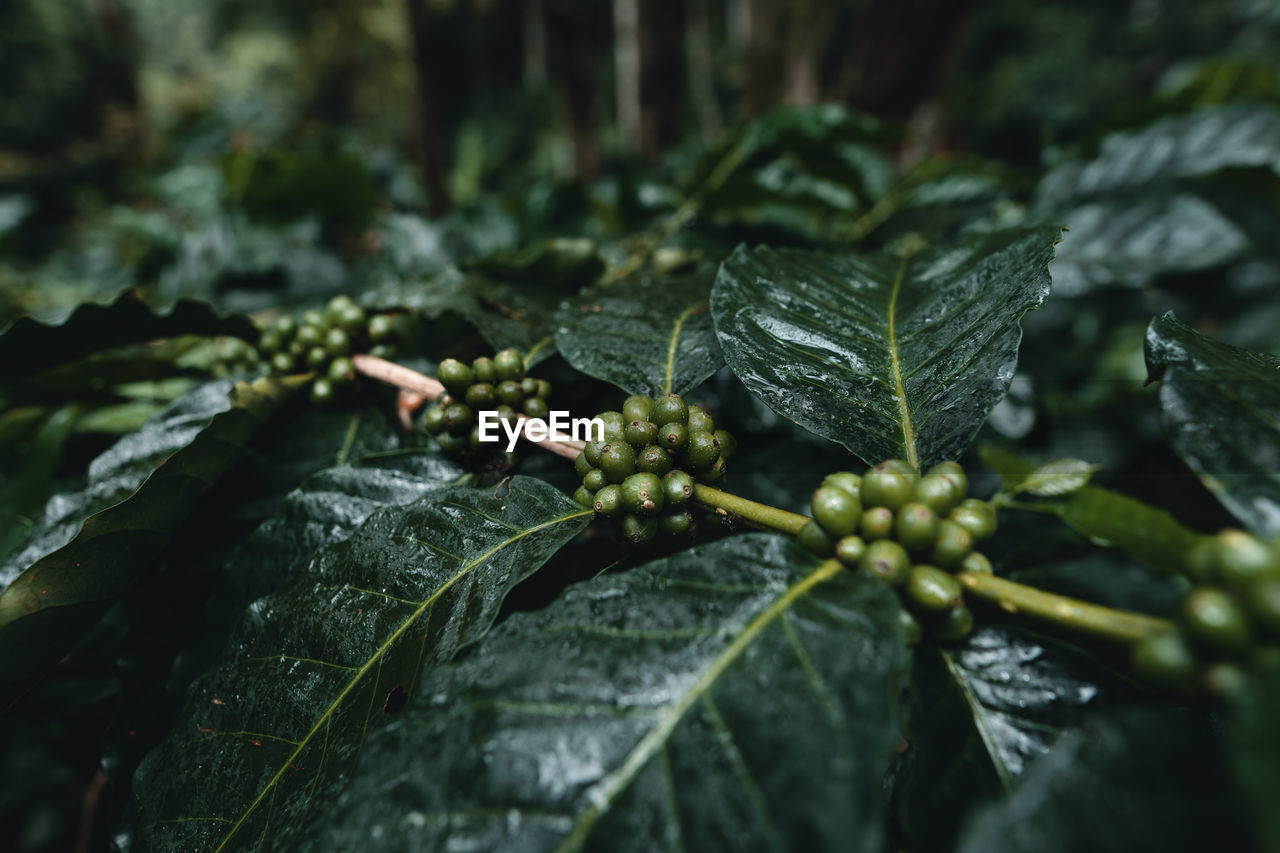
(261, 155)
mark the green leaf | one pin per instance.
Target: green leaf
(738, 695)
(324, 659)
(887, 355)
(22, 492)
(1141, 780)
(1147, 534)
(50, 605)
(1220, 408)
(981, 715)
(1056, 477)
(564, 264)
(645, 336)
(28, 347)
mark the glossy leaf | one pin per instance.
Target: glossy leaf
(646, 337)
(1058, 477)
(1220, 410)
(28, 347)
(1142, 780)
(981, 715)
(890, 356)
(1147, 534)
(50, 605)
(738, 695)
(323, 660)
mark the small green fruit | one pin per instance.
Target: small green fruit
(342, 371)
(1213, 619)
(850, 483)
(837, 511)
(977, 563)
(917, 527)
(939, 492)
(639, 530)
(614, 426)
(481, 395)
(850, 549)
(584, 497)
(509, 365)
(955, 472)
(1263, 602)
(728, 444)
(582, 465)
(955, 626)
(285, 327)
(433, 420)
(529, 386)
(608, 501)
(453, 442)
(703, 450)
(483, 371)
(698, 419)
(815, 540)
(886, 560)
(674, 437)
(654, 460)
(455, 376)
(383, 351)
(544, 389)
(508, 393)
(676, 523)
(952, 545)
(640, 434)
(912, 630)
(618, 461)
(884, 486)
(536, 407)
(642, 494)
(592, 453)
(637, 408)
(877, 523)
(677, 489)
(322, 391)
(1164, 660)
(337, 342)
(282, 362)
(595, 480)
(380, 328)
(977, 517)
(317, 357)
(931, 590)
(1242, 559)
(669, 409)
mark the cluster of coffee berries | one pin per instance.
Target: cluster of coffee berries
(912, 532)
(322, 343)
(488, 384)
(1229, 621)
(643, 473)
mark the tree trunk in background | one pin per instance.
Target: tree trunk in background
(894, 62)
(702, 89)
(534, 30)
(626, 73)
(570, 44)
(809, 33)
(766, 30)
(662, 75)
(432, 141)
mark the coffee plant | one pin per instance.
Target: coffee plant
(917, 521)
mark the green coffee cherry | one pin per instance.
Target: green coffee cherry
(270, 343)
(850, 549)
(455, 376)
(453, 442)
(352, 320)
(837, 511)
(931, 590)
(342, 371)
(977, 517)
(317, 357)
(1213, 619)
(322, 391)
(433, 421)
(482, 370)
(380, 328)
(595, 480)
(536, 407)
(939, 492)
(955, 472)
(715, 472)
(903, 467)
(955, 626)
(669, 409)
(1242, 559)
(529, 386)
(282, 362)
(877, 523)
(917, 527)
(640, 434)
(677, 489)
(674, 437)
(977, 563)
(316, 320)
(1225, 679)
(952, 545)
(308, 336)
(703, 450)
(637, 408)
(473, 439)
(582, 465)
(639, 530)
(508, 393)
(458, 418)
(850, 483)
(728, 444)
(285, 327)
(482, 395)
(592, 453)
(618, 461)
(815, 540)
(383, 351)
(337, 342)
(912, 630)
(884, 486)
(544, 389)
(654, 460)
(1263, 602)
(699, 420)
(1202, 560)
(339, 305)
(584, 497)
(506, 414)
(609, 501)
(676, 523)
(886, 560)
(1164, 660)
(642, 494)
(509, 365)
(614, 426)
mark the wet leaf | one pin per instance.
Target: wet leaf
(50, 605)
(28, 347)
(738, 695)
(887, 355)
(1136, 781)
(981, 715)
(283, 716)
(646, 337)
(1058, 477)
(1220, 410)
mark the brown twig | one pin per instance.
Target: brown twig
(411, 380)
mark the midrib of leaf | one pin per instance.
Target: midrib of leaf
(422, 608)
(669, 377)
(988, 742)
(616, 783)
(900, 388)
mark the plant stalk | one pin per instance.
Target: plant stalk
(761, 515)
